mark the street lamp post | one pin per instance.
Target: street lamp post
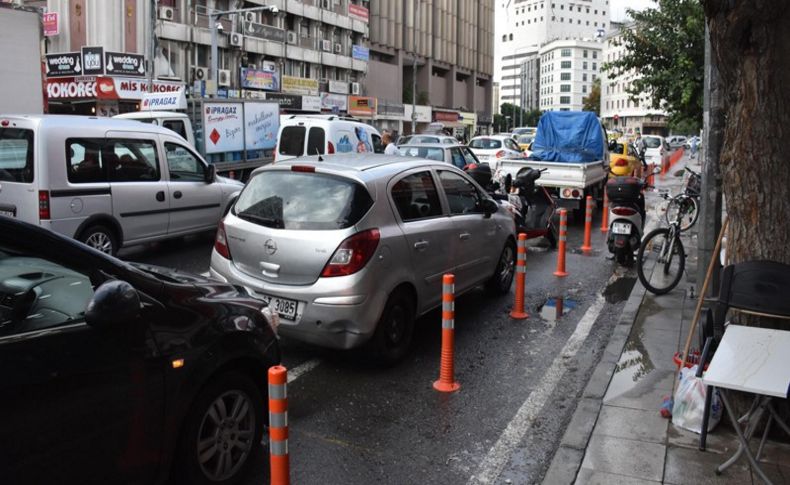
(213, 18)
(414, 72)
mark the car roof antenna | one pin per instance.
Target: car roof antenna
(320, 158)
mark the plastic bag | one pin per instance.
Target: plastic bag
(690, 402)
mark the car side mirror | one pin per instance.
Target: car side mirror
(612, 145)
(489, 207)
(114, 303)
(211, 174)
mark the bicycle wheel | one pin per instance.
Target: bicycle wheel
(686, 207)
(659, 267)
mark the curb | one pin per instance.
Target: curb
(568, 458)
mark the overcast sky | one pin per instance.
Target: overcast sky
(619, 6)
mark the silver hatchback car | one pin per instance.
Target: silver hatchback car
(351, 249)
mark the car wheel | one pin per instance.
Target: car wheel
(500, 281)
(394, 330)
(101, 239)
(222, 432)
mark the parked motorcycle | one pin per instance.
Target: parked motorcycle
(531, 206)
(626, 216)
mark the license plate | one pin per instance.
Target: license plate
(7, 213)
(621, 228)
(285, 307)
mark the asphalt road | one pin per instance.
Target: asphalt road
(351, 422)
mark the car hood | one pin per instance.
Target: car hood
(174, 275)
(229, 181)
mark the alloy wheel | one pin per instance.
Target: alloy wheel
(225, 437)
(100, 241)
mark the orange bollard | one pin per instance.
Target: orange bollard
(278, 425)
(446, 382)
(587, 246)
(605, 214)
(563, 240)
(521, 273)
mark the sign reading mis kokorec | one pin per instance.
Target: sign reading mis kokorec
(124, 64)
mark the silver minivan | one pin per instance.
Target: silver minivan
(108, 183)
(352, 248)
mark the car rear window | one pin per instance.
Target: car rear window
(16, 155)
(651, 142)
(292, 141)
(299, 200)
(485, 143)
(424, 152)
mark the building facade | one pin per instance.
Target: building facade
(568, 69)
(619, 111)
(451, 43)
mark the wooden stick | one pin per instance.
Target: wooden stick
(701, 297)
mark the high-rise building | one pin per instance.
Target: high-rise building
(452, 43)
(568, 69)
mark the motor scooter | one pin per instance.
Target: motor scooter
(626, 216)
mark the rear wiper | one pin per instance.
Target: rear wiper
(266, 221)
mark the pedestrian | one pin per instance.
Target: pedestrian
(389, 147)
(694, 143)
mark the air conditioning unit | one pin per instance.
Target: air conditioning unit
(338, 48)
(224, 77)
(199, 73)
(166, 13)
(355, 88)
(291, 38)
(236, 39)
(251, 17)
(326, 45)
(269, 66)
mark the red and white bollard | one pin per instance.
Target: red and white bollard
(587, 246)
(518, 312)
(563, 242)
(278, 425)
(446, 382)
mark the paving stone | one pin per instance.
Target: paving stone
(774, 452)
(721, 440)
(564, 466)
(635, 424)
(637, 459)
(640, 386)
(591, 477)
(578, 432)
(778, 475)
(599, 380)
(685, 465)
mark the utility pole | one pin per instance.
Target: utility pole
(152, 45)
(414, 71)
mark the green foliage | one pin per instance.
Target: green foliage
(422, 98)
(407, 94)
(666, 47)
(526, 118)
(592, 102)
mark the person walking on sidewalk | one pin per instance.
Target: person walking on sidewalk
(694, 146)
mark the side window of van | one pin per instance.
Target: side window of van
(183, 165)
(91, 160)
(177, 126)
(377, 147)
(292, 141)
(316, 141)
(83, 159)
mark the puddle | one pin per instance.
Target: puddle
(554, 308)
(593, 252)
(619, 290)
(634, 366)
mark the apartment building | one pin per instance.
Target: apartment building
(568, 69)
(452, 43)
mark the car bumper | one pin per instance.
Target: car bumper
(339, 312)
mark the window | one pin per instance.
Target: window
(584, 76)
(584, 65)
(292, 141)
(183, 165)
(461, 194)
(316, 141)
(565, 88)
(565, 100)
(565, 65)
(415, 196)
(565, 52)
(96, 160)
(176, 126)
(595, 54)
(584, 88)
(565, 76)
(16, 155)
(584, 53)
(595, 66)
(511, 36)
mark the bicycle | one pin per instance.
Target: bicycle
(661, 258)
(686, 204)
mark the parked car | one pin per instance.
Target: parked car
(676, 141)
(458, 155)
(524, 142)
(324, 134)
(524, 130)
(107, 182)
(351, 249)
(623, 159)
(489, 149)
(118, 373)
(442, 139)
(656, 150)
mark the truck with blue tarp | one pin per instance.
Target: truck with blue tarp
(572, 147)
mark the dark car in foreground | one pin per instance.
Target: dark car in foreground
(119, 373)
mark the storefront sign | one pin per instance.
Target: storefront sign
(450, 116)
(50, 23)
(358, 12)
(123, 64)
(390, 109)
(247, 94)
(299, 85)
(257, 79)
(65, 64)
(339, 87)
(223, 127)
(362, 106)
(261, 122)
(131, 88)
(286, 101)
(468, 118)
(164, 101)
(360, 52)
(93, 61)
(262, 31)
(71, 88)
(311, 103)
(334, 102)
(423, 113)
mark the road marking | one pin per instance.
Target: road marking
(302, 369)
(497, 457)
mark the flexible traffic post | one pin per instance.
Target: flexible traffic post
(587, 246)
(278, 425)
(518, 312)
(446, 382)
(563, 241)
(605, 213)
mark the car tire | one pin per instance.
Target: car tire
(222, 392)
(394, 330)
(500, 281)
(100, 238)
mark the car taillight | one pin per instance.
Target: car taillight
(303, 168)
(500, 153)
(330, 148)
(623, 211)
(43, 205)
(621, 162)
(353, 254)
(221, 242)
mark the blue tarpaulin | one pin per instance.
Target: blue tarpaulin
(569, 136)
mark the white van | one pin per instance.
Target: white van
(324, 134)
(107, 182)
(172, 120)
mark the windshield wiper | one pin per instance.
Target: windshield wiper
(266, 221)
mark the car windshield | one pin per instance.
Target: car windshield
(525, 139)
(431, 153)
(652, 142)
(299, 200)
(16, 155)
(424, 139)
(485, 143)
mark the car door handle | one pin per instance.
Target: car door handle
(464, 236)
(160, 196)
(177, 194)
(420, 245)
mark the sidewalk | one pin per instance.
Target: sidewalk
(617, 436)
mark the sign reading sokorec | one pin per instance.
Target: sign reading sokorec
(123, 64)
(66, 64)
(71, 88)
